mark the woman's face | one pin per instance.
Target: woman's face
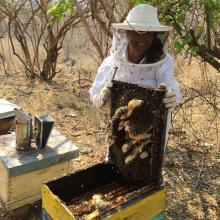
(139, 43)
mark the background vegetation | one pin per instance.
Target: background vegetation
(49, 54)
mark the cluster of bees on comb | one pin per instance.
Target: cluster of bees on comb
(127, 119)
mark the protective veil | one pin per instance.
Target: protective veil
(152, 74)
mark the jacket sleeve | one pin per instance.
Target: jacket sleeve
(103, 77)
(165, 75)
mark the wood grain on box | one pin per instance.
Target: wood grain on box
(23, 172)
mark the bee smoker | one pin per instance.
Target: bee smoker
(23, 130)
(42, 129)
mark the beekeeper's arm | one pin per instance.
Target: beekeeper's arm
(101, 88)
(165, 76)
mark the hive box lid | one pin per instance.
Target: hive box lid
(59, 149)
(7, 109)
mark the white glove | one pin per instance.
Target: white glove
(170, 100)
(103, 96)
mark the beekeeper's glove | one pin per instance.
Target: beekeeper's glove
(101, 99)
(170, 100)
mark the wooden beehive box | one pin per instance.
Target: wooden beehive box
(23, 172)
(148, 119)
(99, 192)
(7, 124)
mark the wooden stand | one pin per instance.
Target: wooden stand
(23, 172)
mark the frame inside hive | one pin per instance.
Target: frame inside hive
(81, 191)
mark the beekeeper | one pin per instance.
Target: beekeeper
(139, 53)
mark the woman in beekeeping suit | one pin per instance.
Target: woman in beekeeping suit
(139, 53)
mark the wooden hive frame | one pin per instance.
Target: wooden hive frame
(139, 172)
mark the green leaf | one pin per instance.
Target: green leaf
(168, 18)
(186, 39)
(195, 50)
(180, 15)
(178, 45)
(59, 9)
(137, 2)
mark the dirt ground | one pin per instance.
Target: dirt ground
(191, 165)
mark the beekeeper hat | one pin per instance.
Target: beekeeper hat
(142, 17)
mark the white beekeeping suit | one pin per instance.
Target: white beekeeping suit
(142, 18)
(161, 72)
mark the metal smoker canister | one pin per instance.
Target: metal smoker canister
(42, 126)
(23, 130)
